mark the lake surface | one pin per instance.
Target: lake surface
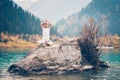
(10, 56)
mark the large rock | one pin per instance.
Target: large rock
(49, 60)
(57, 59)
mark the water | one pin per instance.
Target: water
(10, 56)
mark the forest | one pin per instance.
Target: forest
(17, 24)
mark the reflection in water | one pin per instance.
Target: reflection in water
(11, 56)
(13, 50)
(113, 51)
(111, 56)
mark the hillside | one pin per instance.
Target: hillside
(15, 20)
(105, 10)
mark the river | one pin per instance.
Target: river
(10, 56)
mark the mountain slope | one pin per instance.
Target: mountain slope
(105, 10)
(56, 9)
(13, 19)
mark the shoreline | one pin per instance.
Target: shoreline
(18, 45)
(35, 45)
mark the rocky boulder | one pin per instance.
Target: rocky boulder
(49, 60)
(57, 59)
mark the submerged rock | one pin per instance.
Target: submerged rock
(103, 65)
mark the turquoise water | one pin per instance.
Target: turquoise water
(9, 56)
